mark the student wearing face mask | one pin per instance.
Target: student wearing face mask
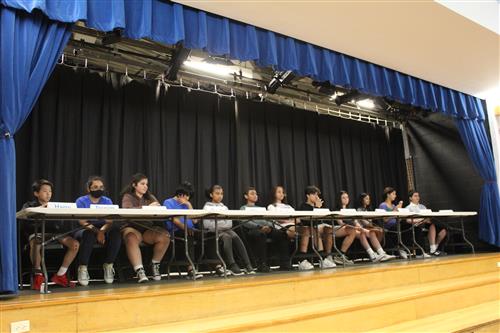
(100, 231)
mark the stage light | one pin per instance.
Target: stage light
(279, 79)
(216, 69)
(366, 103)
(178, 58)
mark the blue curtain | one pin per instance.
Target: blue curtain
(29, 47)
(169, 23)
(478, 146)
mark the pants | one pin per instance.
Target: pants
(231, 240)
(257, 241)
(87, 240)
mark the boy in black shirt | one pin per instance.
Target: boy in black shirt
(42, 191)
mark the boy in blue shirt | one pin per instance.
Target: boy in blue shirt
(103, 232)
(176, 225)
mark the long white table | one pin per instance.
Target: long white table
(41, 215)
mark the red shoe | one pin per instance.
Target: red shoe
(62, 280)
(38, 279)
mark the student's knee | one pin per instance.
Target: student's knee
(74, 245)
(163, 238)
(131, 239)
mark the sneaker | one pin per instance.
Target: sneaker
(141, 275)
(424, 256)
(342, 260)
(305, 265)
(109, 273)
(38, 279)
(191, 275)
(377, 257)
(263, 268)
(403, 254)
(219, 271)
(235, 269)
(387, 257)
(62, 280)
(83, 276)
(326, 263)
(155, 271)
(249, 269)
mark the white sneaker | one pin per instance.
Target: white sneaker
(109, 273)
(305, 265)
(155, 268)
(424, 256)
(328, 264)
(141, 275)
(83, 276)
(376, 257)
(403, 254)
(387, 257)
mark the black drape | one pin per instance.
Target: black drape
(89, 123)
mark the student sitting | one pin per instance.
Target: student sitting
(390, 224)
(176, 225)
(42, 191)
(257, 233)
(230, 239)
(103, 232)
(364, 234)
(135, 195)
(437, 231)
(313, 200)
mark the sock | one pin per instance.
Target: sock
(370, 252)
(83, 266)
(137, 267)
(381, 251)
(62, 270)
(433, 248)
(155, 261)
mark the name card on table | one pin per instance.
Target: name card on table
(104, 206)
(61, 205)
(403, 210)
(322, 210)
(348, 210)
(379, 210)
(256, 209)
(154, 207)
(446, 211)
(425, 211)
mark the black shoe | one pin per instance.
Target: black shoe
(192, 276)
(285, 267)
(263, 268)
(235, 269)
(219, 271)
(249, 269)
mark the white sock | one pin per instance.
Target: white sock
(155, 261)
(370, 252)
(433, 248)
(137, 267)
(82, 267)
(381, 251)
(62, 270)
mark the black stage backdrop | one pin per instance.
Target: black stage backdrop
(87, 123)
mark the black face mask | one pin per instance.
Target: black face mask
(97, 193)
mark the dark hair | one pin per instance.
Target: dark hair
(272, 196)
(248, 189)
(92, 179)
(311, 189)
(185, 188)
(130, 189)
(411, 193)
(37, 185)
(211, 190)
(339, 199)
(388, 190)
(361, 200)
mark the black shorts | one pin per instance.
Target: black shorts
(439, 226)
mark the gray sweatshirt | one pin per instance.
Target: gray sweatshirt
(221, 224)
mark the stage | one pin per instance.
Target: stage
(360, 298)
